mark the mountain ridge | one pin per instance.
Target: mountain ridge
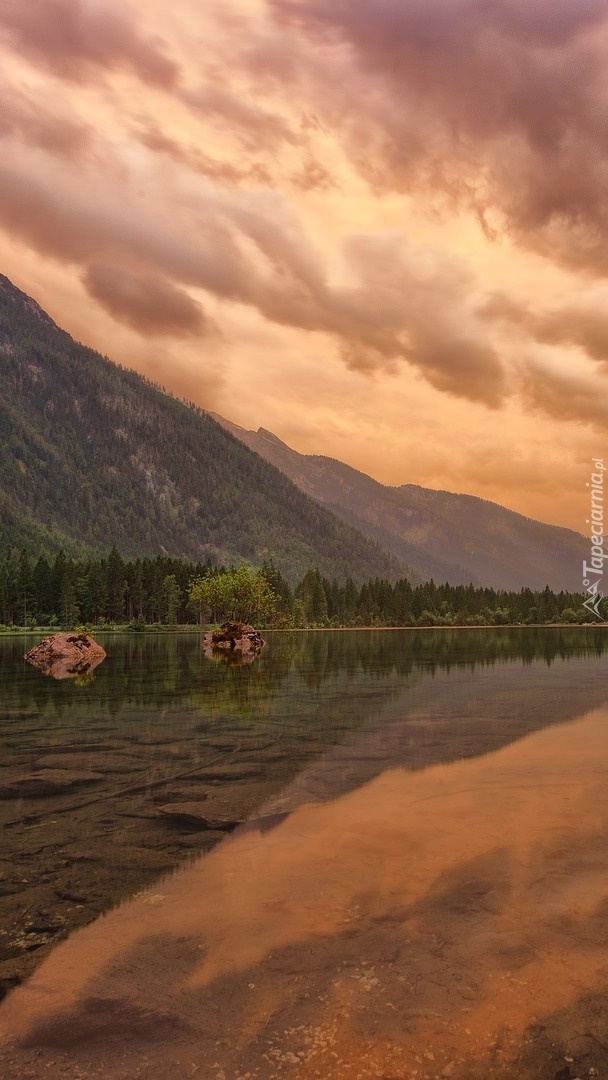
(448, 536)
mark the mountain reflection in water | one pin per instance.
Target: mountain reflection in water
(445, 922)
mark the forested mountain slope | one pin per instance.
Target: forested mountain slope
(92, 456)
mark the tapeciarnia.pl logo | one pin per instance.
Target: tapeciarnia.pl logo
(593, 571)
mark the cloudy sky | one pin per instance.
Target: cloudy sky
(378, 228)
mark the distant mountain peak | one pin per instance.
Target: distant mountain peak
(27, 303)
(269, 436)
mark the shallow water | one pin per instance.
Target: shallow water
(420, 887)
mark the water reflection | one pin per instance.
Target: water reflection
(234, 658)
(442, 824)
(446, 921)
(166, 668)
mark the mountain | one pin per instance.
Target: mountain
(92, 456)
(440, 535)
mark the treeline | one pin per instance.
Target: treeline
(109, 590)
(97, 591)
(318, 602)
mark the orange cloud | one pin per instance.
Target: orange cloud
(494, 106)
(150, 305)
(226, 172)
(79, 40)
(582, 325)
(393, 311)
(24, 117)
(256, 127)
(64, 221)
(566, 397)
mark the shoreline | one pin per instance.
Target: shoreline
(48, 630)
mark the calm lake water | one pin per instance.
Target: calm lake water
(368, 853)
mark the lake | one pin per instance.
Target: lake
(368, 853)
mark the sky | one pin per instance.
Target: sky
(377, 228)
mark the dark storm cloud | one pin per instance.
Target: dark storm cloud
(252, 250)
(81, 39)
(225, 171)
(565, 397)
(70, 222)
(313, 176)
(399, 310)
(151, 305)
(500, 105)
(256, 127)
(581, 325)
(389, 25)
(31, 121)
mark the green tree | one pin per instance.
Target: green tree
(25, 586)
(57, 574)
(312, 599)
(170, 596)
(241, 594)
(97, 588)
(568, 615)
(116, 586)
(69, 612)
(279, 586)
(137, 590)
(43, 591)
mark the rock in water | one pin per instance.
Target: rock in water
(235, 637)
(65, 656)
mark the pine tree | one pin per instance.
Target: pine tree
(137, 590)
(69, 612)
(313, 601)
(25, 587)
(43, 587)
(116, 586)
(170, 597)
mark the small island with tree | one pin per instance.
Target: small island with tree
(236, 597)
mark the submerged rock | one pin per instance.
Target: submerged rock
(234, 637)
(66, 656)
(37, 785)
(190, 814)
